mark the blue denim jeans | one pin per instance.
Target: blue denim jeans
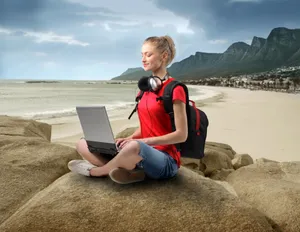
(156, 164)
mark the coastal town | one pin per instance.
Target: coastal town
(284, 79)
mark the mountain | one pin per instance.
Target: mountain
(131, 70)
(280, 48)
(200, 59)
(295, 59)
(256, 45)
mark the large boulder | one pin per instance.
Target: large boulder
(222, 147)
(28, 164)
(187, 202)
(214, 160)
(241, 160)
(273, 188)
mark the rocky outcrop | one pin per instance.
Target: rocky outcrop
(273, 188)
(188, 202)
(28, 162)
(14, 126)
(38, 193)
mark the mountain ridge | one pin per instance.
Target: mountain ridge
(280, 48)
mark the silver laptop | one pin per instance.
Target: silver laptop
(97, 130)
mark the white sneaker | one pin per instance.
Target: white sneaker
(82, 167)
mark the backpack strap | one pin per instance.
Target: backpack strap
(137, 100)
(168, 98)
(168, 102)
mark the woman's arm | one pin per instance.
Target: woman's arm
(181, 132)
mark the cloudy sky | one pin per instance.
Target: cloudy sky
(100, 39)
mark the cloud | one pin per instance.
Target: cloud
(42, 37)
(49, 15)
(218, 41)
(245, 1)
(51, 37)
(232, 20)
(49, 64)
(90, 24)
(101, 39)
(40, 54)
(106, 27)
(5, 31)
(134, 16)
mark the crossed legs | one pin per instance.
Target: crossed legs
(127, 158)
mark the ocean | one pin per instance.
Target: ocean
(46, 100)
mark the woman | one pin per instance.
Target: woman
(151, 147)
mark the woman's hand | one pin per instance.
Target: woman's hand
(121, 142)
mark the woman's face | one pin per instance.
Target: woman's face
(151, 57)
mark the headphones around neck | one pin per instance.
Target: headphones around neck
(152, 83)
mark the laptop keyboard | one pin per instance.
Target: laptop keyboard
(102, 150)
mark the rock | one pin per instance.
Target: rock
(227, 186)
(127, 132)
(198, 172)
(221, 174)
(291, 170)
(241, 160)
(214, 160)
(274, 189)
(264, 160)
(14, 126)
(28, 164)
(190, 163)
(187, 202)
(222, 147)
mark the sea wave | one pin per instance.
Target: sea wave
(72, 111)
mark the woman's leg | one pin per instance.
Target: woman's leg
(127, 158)
(95, 159)
(155, 164)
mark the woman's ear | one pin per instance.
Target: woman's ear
(165, 56)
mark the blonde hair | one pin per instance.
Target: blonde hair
(164, 43)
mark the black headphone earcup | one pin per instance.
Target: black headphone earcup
(143, 84)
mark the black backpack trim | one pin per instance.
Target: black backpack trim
(137, 100)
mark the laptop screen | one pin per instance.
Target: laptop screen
(95, 123)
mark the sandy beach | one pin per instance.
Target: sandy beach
(259, 123)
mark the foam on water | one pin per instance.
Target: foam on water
(111, 108)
